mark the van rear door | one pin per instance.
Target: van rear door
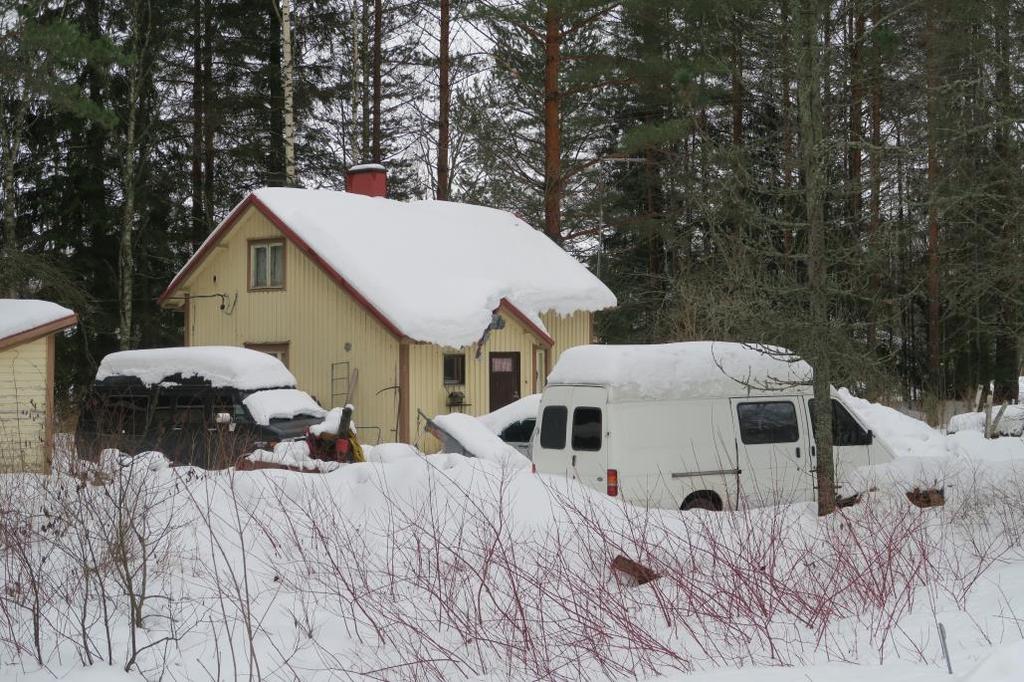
(588, 436)
(550, 446)
(773, 438)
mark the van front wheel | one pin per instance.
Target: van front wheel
(702, 499)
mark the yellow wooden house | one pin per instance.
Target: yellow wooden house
(27, 354)
(400, 308)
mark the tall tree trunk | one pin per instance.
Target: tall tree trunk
(198, 107)
(287, 79)
(935, 379)
(444, 103)
(125, 256)
(209, 117)
(378, 50)
(814, 170)
(787, 121)
(736, 85)
(1007, 347)
(856, 102)
(367, 64)
(875, 207)
(11, 139)
(276, 155)
(552, 124)
(357, 150)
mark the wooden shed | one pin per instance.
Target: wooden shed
(397, 307)
(27, 354)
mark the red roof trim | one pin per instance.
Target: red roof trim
(229, 222)
(38, 331)
(526, 322)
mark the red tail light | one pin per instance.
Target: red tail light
(533, 467)
(613, 483)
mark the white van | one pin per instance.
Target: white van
(709, 425)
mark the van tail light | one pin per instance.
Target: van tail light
(533, 467)
(613, 483)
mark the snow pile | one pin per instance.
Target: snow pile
(680, 371)
(500, 257)
(1010, 424)
(480, 441)
(223, 366)
(525, 408)
(150, 460)
(448, 567)
(19, 315)
(390, 452)
(281, 403)
(1005, 665)
(332, 422)
(294, 454)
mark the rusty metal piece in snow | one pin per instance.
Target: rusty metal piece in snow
(638, 572)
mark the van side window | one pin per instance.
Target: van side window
(845, 429)
(552, 427)
(765, 423)
(586, 428)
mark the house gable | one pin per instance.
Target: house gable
(253, 203)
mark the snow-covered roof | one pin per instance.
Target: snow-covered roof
(683, 370)
(20, 315)
(434, 270)
(222, 366)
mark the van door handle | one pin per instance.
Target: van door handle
(574, 460)
(798, 453)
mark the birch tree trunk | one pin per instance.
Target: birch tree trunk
(444, 103)
(287, 77)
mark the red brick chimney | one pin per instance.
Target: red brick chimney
(370, 179)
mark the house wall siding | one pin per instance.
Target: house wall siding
(24, 407)
(321, 323)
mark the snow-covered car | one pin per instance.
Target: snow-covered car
(202, 405)
(515, 422)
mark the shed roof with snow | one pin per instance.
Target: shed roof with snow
(23, 320)
(681, 371)
(221, 366)
(432, 271)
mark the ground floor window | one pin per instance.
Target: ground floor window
(454, 369)
(278, 350)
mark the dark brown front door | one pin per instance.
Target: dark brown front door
(504, 379)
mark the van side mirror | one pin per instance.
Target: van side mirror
(871, 437)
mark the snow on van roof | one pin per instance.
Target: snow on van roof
(436, 270)
(683, 370)
(230, 366)
(18, 315)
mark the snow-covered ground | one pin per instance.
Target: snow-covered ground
(448, 567)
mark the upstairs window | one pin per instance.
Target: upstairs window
(454, 369)
(266, 264)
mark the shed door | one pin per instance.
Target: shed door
(504, 371)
